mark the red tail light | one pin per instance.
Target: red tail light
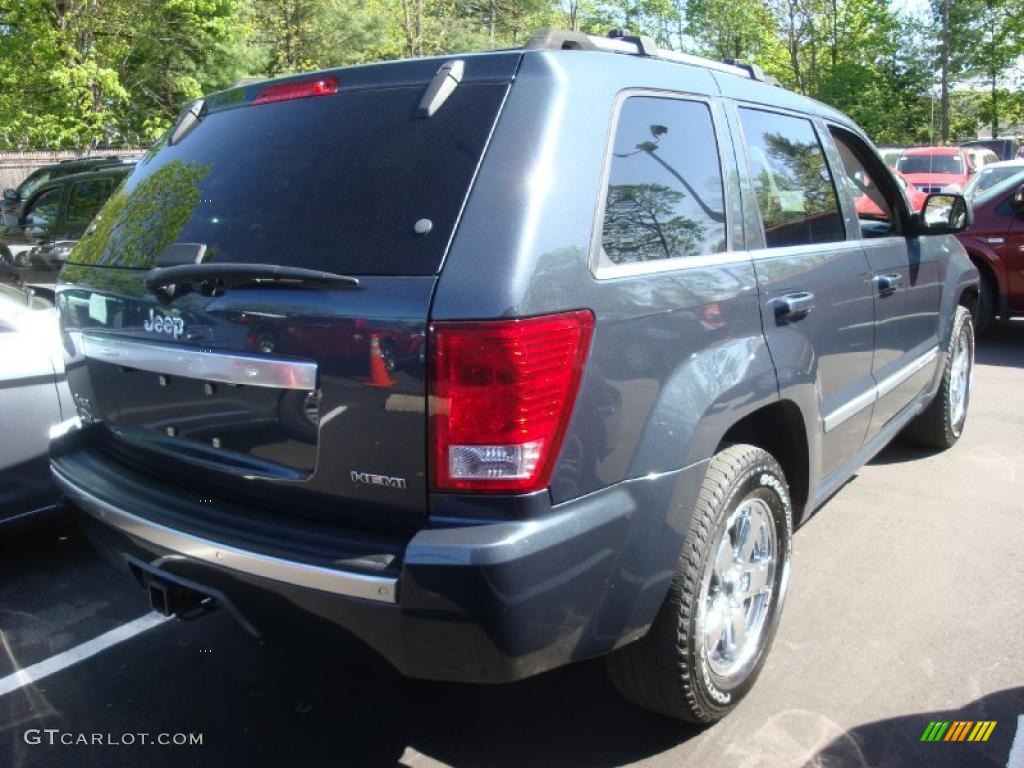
(321, 86)
(501, 396)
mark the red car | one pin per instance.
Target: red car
(995, 243)
(936, 169)
(867, 208)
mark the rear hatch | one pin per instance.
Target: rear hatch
(296, 391)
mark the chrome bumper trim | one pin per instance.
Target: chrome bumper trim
(382, 589)
(205, 365)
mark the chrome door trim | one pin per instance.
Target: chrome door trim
(852, 407)
(203, 364)
(382, 589)
(893, 380)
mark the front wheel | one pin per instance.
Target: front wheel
(942, 422)
(709, 641)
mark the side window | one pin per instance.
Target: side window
(42, 213)
(665, 196)
(87, 197)
(795, 193)
(871, 186)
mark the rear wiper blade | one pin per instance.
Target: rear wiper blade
(213, 278)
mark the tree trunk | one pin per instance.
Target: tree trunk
(944, 75)
(407, 28)
(793, 40)
(419, 27)
(995, 105)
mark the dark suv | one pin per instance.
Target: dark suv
(14, 198)
(656, 337)
(52, 218)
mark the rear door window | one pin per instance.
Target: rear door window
(664, 198)
(796, 195)
(353, 183)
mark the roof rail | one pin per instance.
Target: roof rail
(619, 42)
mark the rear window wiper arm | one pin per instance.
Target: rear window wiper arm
(213, 278)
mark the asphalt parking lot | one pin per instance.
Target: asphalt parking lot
(905, 607)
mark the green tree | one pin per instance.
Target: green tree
(80, 72)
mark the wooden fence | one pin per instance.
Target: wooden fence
(15, 166)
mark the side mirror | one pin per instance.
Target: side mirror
(11, 195)
(1017, 201)
(945, 214)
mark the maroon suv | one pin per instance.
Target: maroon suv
(995, 243)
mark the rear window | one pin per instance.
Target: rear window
(931, 164)
(352, 183)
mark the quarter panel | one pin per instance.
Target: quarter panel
(676, 355)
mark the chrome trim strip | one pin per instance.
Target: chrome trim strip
(382, 589)
(656, 266)
(204, 364)
(837, 247)
(883, 242)
(851, 408)
(893, 380)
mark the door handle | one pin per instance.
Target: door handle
(793, 306)
(887, 284)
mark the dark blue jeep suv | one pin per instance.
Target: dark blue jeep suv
(505, 360)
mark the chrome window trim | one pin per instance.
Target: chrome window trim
(852, 407)
(841, 246)
(728, 256)
(202, 364)
(382, 589)
(881, 242)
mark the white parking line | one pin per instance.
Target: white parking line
(1016, 757)
(72, 656)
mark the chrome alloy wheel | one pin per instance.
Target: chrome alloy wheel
(736, 591)
(959, 381)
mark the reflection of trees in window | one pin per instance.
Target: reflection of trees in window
(799, 188)
(642, 222)
(87, 198)
(134, 227)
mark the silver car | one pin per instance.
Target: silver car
(33, 397)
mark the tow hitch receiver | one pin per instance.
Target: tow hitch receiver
(177, 600)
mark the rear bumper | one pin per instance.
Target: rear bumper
(477, 602)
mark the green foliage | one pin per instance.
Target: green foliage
(75, 73)
(79, 72)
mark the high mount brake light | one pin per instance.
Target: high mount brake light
(501, 396)
(321, 86)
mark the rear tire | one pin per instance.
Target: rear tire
(709, 641)
(942, 422)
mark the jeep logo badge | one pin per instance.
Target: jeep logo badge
(174, 326)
